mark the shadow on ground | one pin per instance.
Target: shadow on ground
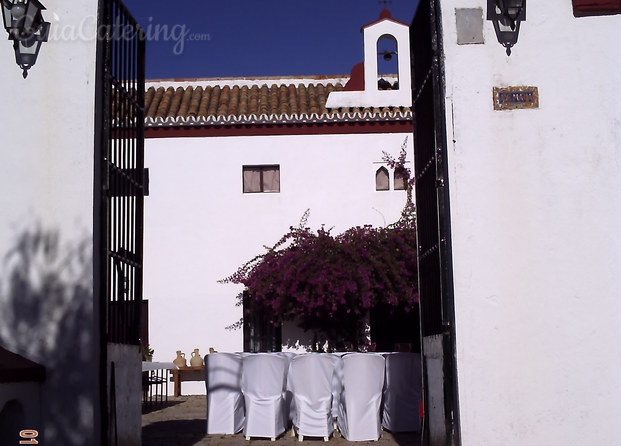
(148, 408)
(407, 439)
(186, 433)
(183, 423)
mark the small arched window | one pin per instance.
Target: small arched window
(382, 181)
(399, 182)
(387, 63)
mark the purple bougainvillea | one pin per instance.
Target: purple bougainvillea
(330, 282)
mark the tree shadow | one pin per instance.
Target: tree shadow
(173, 432)
(46, 315)
(155, 406)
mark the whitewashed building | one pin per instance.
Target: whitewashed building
(517, 159)
(66, 378)
(527, 177)
(233, 163)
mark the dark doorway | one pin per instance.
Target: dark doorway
(435, 275)
(395, 329)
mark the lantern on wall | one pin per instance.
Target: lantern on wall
(24, 23)
(506, 15)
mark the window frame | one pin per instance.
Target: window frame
(262, 168)
(586, 8)
(398, 173)
(385, 170)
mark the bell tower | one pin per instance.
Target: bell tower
(375, 92)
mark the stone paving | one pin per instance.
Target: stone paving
(181, 422)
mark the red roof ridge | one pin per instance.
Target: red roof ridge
(384, 15)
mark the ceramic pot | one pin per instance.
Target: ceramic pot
(180, 361)
(196, 360)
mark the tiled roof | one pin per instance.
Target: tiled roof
(253, 101)
(16, 368)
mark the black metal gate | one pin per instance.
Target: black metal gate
(119, 188)
(441, 424)
(122, 173)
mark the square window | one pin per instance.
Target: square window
(264, 178)
(469, 26)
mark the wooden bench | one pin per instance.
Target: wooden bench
(187, 374)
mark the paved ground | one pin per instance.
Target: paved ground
(182, 423)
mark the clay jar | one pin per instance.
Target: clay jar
(180, 361)
(196, 360)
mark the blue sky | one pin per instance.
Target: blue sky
(238, 38)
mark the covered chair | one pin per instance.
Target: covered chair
(264, 378)
(225, 402)
(310, 380)
(289, 405)
(361, 396)
(402, 392)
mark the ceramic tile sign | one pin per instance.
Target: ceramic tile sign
(515, 98)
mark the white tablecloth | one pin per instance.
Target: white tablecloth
(148, 365)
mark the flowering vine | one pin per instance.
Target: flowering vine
(330, 282)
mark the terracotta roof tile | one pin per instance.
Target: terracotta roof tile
(185, 102)
(253, 101)
(195, 100)
(212, 109)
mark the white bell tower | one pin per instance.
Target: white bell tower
(372, 95)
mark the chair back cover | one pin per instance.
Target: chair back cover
(264, 378)
(337, 381)
(289, 404)
(402, 392)
(310, 379)
(361, 396)
(225, 403)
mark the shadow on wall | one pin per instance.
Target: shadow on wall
(11, 420)
(46, 315)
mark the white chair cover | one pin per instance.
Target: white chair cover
(359, 408)
(402, 392)
(225, 403)
(337, 382)
(310, 379)
(264, 378)
(289, 404)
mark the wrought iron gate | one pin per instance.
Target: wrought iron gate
(122, 174)
(441, 424)
(119, 188)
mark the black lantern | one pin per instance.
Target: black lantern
(506, 16)
(27, 29)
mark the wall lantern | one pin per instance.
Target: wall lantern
(27, 29)
(506, 16)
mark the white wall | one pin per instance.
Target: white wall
(200, 227)
(46, 178)
(535, 215)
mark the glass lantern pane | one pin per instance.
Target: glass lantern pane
(6, 15)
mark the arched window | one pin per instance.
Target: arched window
(387, 63)
(399, 181)
(382, 182)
